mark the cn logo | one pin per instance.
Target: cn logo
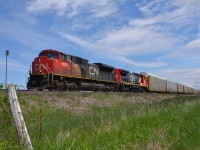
(132, 78)
(93, 71)
(37, 66)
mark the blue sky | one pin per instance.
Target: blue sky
(161, 37)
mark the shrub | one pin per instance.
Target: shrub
(1, 85)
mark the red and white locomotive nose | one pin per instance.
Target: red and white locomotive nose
(143, 80)
(43, 64)
(39, 66)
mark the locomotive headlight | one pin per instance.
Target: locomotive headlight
(40, 71)
(39, 60)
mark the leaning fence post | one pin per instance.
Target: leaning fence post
(18, 118)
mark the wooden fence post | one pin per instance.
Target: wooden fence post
(18, 118)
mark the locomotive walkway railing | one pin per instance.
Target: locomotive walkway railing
(49, 71)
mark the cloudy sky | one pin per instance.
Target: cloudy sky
(161, 37)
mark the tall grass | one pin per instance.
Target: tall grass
(8, 136)
(171, 124)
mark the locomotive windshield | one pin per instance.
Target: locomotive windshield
(42, 54)
(52, 55)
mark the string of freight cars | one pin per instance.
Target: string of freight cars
(55, 70)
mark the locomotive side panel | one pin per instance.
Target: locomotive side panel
(117, 75)
(106, 76)
(123, 75)
(61, 67)
(66, 68)
(106, 72)
(134, 78)
(92, 72)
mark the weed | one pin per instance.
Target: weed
(170, 124)
(8, 137)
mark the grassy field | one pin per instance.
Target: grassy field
(106, 121)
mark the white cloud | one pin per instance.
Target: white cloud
(80, 26)
(189, 77)
(152, 34)
(127, 41)
(112, 50)
(25, 35)
(75, 39)
(144, 22)
(136, 41)
(150, 8)
(188, 3)
(71, 8)
(140, 63)
(155, 7)
(170, 15)
(25, 54)
(39, 6)
(14, 65)
(194, 44)
(162, 29)
(183, 54)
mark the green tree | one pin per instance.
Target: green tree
(1, 85)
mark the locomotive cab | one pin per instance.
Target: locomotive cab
(49, 54)
(121, 75)
(43, 68)
(51, 66)
(44, 63)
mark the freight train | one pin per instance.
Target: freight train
(55, 70)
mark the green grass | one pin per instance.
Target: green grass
(8, 136)
(170, 124)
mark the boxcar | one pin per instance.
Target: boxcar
(171, 87)
(180, 88)
(186, 89)
(157, 84)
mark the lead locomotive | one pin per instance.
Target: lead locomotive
(55, 70)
